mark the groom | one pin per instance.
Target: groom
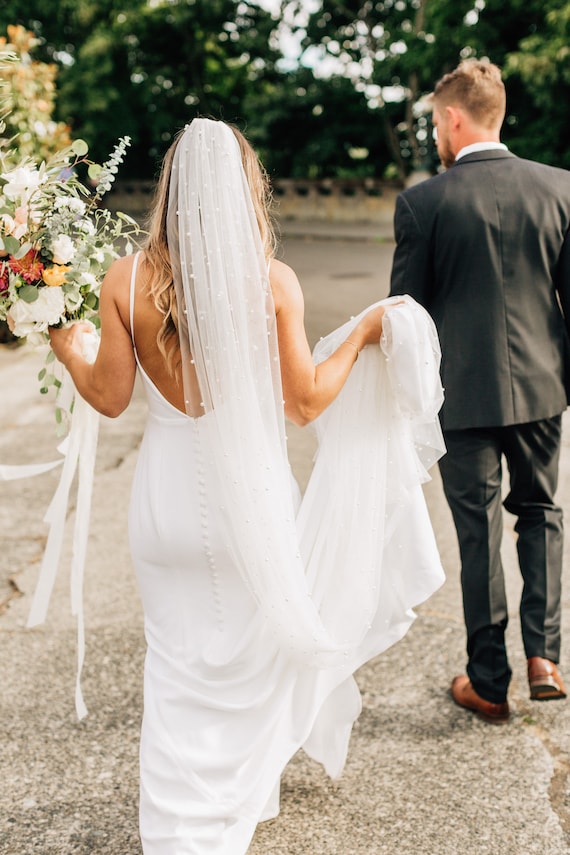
(484, 246)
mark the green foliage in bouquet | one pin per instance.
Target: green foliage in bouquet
(56, 241)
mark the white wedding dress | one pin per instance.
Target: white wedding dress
(225, 708)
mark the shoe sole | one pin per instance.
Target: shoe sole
(490, 719)
(546, 693)
(504, 719)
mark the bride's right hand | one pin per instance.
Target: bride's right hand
(66, 341)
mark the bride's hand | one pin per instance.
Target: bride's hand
(370, 327)
(66, 341)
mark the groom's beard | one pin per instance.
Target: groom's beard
(446, 156)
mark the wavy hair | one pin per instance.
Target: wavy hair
(475, 85)
(161, 286)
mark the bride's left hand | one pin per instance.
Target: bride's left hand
(370, 326)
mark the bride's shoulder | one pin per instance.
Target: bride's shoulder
(118, 277)
(284, 283)
(121, 268)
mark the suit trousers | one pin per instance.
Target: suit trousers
(472, 478)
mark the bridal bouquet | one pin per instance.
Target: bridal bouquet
(56, 242)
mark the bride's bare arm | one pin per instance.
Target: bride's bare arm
(308, 388)
(108, 383)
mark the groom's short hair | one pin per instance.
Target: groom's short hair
(477, 87)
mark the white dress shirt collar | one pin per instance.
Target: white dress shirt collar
(479, 146)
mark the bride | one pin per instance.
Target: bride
(257, 611)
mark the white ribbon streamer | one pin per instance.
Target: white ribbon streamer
(29, 470)
(79, 449)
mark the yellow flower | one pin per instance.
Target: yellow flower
(54, 275)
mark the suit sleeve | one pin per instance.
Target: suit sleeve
(562, 280)
(411, 266)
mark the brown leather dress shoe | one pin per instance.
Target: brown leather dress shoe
(544, 680)
(465, 695)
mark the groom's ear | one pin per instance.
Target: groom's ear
(455, 116)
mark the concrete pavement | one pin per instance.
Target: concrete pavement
(424, 777)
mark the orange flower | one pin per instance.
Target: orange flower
(30, 268)
(54, 275)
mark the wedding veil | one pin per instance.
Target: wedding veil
(231, 372)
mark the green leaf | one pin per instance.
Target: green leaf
(90, 300)
(50, 357)
(11, 244)
(125, 217)
(25, 248)
(79, 147)
(42, 374)
(94, 171)
(28, 293)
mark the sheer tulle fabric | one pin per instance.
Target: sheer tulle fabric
(376, 442)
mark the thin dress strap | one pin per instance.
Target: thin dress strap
(132, 299)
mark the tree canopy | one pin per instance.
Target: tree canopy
(352, 105)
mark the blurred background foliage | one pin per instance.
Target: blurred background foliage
(347, 103)
(28, 92)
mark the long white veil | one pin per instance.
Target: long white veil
(231, 375)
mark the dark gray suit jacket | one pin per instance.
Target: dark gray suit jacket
(485, 248)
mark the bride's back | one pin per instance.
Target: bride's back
(147, 322)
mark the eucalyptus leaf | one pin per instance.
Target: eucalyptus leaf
(24, 249)
(91, 300)
(11, 244)
(94, 171)
(125, 217)
(28, 293)
(79, 147)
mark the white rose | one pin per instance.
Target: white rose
(86, 227)
(71, 203)
(21, 183)
(73, 300)
(28, 318)
(89, 279)
(62, 249)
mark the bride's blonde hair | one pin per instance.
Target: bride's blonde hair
(160, 286)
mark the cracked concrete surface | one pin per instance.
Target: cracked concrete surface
(423, 777)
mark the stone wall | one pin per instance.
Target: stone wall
(336, 201)
(325, 200)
